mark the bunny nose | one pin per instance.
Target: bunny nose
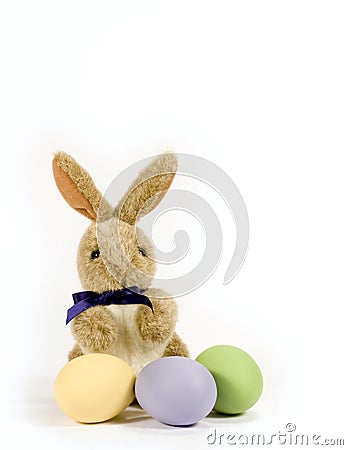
(116, 270)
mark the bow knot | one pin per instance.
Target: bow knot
(87, 299)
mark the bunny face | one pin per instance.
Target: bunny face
(113, 255)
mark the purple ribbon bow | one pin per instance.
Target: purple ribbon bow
(87, 299)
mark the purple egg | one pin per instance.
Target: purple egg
(176, 391)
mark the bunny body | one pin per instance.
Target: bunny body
(130, 346)
(114, 253)
(128, 343)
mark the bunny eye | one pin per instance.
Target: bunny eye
(142, 251)
(95, 254)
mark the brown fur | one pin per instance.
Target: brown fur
(148, 189)
(176, 347)
(94, 329)
(93, 273)
(132, 332)
(76, 185)
(158, 326)
(75, 352)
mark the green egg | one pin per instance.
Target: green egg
(237, 376)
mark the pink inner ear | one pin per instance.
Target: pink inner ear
(71, 194)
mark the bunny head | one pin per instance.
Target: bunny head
(113, 252)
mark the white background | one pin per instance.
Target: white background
(258, 88)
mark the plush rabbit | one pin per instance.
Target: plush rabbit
(122, 256)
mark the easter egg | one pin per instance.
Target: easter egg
(175, 390)
(237, 376)
(94, 388)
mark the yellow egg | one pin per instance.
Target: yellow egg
(94, 388)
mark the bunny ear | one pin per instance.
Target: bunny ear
(148, 189)
(76, 185)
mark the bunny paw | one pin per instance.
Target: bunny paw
(159, 325)
(94, 329)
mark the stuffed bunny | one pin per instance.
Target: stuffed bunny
(114, 254)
